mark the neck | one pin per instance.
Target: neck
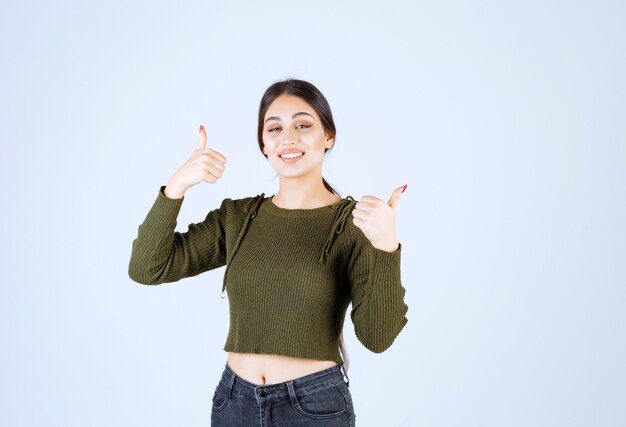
(300, 193)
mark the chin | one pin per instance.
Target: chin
(291, 173)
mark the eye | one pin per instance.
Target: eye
(272, 129)
(305, 126)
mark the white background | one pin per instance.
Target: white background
(505, 119)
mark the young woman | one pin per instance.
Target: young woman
(294, 262)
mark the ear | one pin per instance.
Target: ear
(264, 150)
(329, 143)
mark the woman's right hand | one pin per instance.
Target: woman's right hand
(204, 164)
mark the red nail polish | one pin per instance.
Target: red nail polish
(201, 127)
(403, 189)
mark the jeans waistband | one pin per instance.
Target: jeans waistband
(238, 385)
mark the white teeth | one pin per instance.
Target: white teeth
(291, 155)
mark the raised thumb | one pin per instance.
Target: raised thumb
(201, 139)
(393, 200)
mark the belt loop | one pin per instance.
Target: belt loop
(343, 369)
(230, 384)
(292, 393)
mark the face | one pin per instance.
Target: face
(293, 137)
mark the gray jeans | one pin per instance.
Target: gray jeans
(319, 399)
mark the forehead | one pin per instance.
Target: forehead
(285, 106)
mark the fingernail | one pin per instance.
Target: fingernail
(404, 188)
(201, 127)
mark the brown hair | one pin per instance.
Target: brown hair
(309, 94)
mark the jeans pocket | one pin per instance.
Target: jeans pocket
(220, 398)
(323, 402)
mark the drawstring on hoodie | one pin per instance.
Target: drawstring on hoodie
(344, 210)
(254, 208)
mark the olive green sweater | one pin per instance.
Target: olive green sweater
(290, 273)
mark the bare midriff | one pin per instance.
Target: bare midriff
(273, 368)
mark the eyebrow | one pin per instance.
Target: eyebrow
(293, 117)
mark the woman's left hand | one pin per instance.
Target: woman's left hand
(377, 220)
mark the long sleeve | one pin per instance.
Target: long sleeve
(160, 254)
(378, 308)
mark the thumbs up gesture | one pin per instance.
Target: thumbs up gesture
(377, 220)
(204, 164)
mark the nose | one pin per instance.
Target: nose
(289, 136)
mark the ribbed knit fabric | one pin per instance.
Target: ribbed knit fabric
(290, 276)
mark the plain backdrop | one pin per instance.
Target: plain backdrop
(505, 119)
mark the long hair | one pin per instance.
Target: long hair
(309, 94)
(312, 96)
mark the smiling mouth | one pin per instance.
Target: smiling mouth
(291, 155)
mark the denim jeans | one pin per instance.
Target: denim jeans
(319, 399)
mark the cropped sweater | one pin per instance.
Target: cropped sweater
(290, 273)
